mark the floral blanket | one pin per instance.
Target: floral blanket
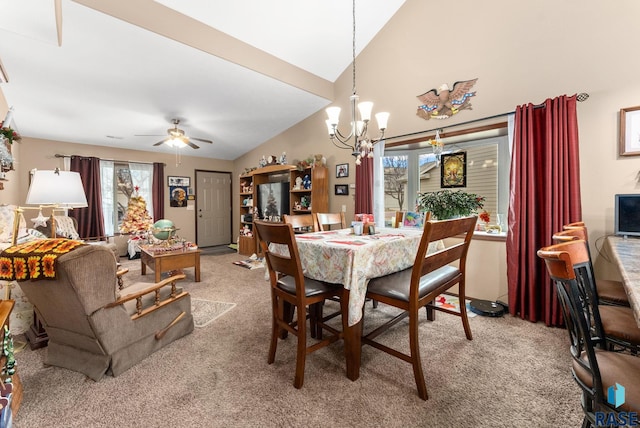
(34, 259)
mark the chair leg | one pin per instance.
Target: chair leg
(463, 311)
(277, 309)
(415, 356)
(302, 349)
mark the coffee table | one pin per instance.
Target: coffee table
(165, 261)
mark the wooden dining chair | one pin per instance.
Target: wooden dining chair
(417, 287)
(618, 322)
(327, 220)
(301, 223)
(593, 367)
(291, 290)
(609, 291)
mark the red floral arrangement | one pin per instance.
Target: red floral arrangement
(485, 216)
(9, 134)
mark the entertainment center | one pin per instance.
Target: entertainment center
(274, 190)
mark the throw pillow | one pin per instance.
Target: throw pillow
(66, 228)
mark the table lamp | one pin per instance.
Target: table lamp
(52, 189)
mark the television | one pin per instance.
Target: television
(273, 201)
(627, 215)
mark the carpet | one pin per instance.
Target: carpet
(206, 311)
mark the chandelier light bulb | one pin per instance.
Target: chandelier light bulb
(333, 115)
(382, 118)
(365, 110)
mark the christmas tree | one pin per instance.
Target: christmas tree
(137, 218)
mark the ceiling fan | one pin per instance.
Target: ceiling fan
(176, 137)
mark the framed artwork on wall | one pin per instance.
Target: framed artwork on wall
(453, 170)
(178, 190)
(630, 131)
(342, 170)
(342, 189)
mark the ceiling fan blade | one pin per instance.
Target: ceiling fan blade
(148, 135)
(58, 8)
(190, 144)
(161, 142)
(202, 140)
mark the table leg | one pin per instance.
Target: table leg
(143, 267)
(197, 267)
(352, 339)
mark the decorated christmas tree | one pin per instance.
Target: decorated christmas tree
(137, 219)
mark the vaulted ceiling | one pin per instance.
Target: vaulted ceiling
(235, 72)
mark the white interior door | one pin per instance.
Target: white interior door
(213, 208)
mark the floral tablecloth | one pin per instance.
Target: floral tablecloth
(339, 257)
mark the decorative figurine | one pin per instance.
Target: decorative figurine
(298, 185)
(283, 158)
(306, 182)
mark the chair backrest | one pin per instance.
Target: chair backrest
(454, 250)
(301, 223)
(326, 220)
(85, 282)
(281, 262)
(568, 266)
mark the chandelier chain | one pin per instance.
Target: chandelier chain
(353, 47)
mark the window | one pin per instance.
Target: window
(118, 183)
(410, 169)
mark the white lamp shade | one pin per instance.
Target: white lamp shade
(329, 127)
(61, 188)
(382, 118)
(365, 110)
(333, 113)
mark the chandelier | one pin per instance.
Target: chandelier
(362, 145)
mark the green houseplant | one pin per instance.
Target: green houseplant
(446, 204)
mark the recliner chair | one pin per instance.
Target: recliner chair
(93, 330)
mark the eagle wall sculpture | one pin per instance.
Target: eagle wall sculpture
(443, 102)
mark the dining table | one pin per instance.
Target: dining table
(341, 257)
(626, 254)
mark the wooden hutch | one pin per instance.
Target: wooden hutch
(302, 200)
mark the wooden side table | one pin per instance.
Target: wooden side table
(166, 261)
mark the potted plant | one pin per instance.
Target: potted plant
(446, 204)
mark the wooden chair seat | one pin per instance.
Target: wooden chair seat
(398, 285)
(614, 367)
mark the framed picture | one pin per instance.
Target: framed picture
(630, 131)
(342, 189)
(453, 170)
(178, 190)
(342, 170)
(178, 181)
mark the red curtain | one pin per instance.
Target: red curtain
(157, 191)
(544, 195)
(364, 187)
(90, 219)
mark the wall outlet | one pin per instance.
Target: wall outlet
(344, 208)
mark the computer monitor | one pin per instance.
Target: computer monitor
(627, 215)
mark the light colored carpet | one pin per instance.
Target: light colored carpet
(206, 311)
(512, 374)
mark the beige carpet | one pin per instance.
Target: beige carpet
(512, 374)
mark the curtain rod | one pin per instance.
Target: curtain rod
(112, 160)
(583, 96)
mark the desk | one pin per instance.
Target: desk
(165, 261)
(626, 253)
(339, 257)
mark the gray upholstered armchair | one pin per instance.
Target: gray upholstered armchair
(94, 330)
